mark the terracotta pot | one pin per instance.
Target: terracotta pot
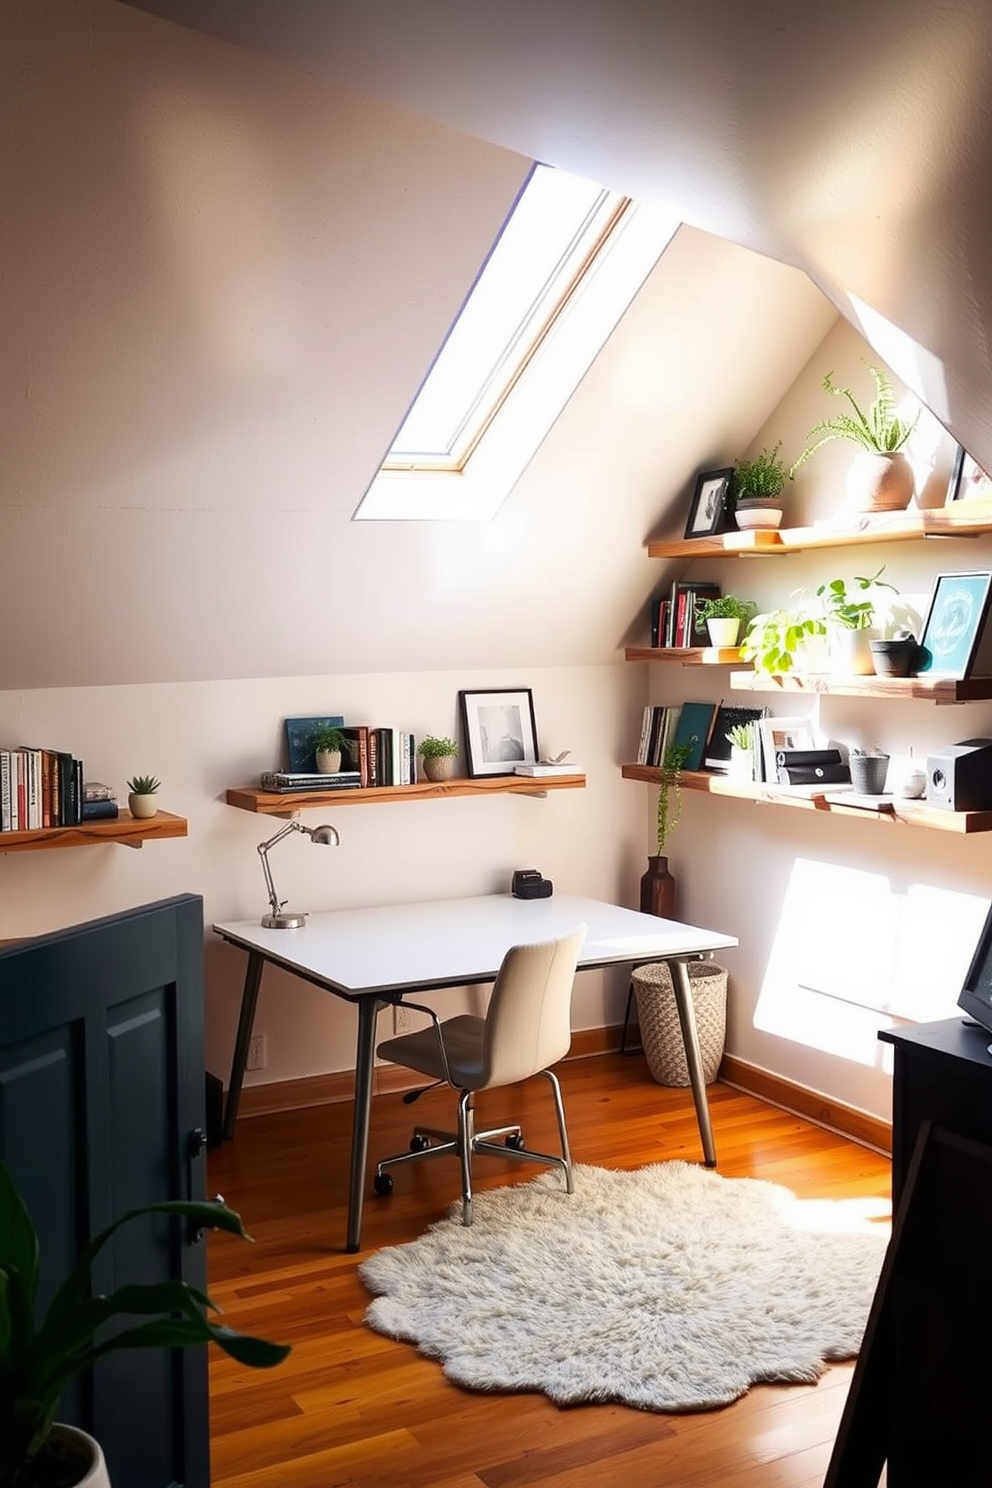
(144, 805)
(879, 482)
(439, 767)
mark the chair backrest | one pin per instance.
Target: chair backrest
(528, 1026)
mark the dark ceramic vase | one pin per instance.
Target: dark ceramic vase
(658, 889)
(899, 658)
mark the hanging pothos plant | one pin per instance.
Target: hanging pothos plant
(670, 790)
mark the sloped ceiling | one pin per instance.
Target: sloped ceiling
(852, 140)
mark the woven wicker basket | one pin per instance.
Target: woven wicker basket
(658, 1016)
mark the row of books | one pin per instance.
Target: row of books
(39, 788)
(702, 727)
(673, 617)
(375, 756)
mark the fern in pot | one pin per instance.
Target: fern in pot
(723, 617)
(756, 489)
(438, 756)
(880, 478)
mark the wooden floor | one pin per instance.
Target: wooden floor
(352, 1409)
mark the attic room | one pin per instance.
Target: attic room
(236, 236)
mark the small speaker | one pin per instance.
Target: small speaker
(959, 776)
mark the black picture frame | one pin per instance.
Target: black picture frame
(708, 512)
(301, 759)
(955, 624)
(969, 482)
(499, 729)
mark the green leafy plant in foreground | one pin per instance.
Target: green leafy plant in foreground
(876, 427)
(38, 1360)
(774, 638)
(840, 606)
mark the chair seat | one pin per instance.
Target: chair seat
(463, 1042)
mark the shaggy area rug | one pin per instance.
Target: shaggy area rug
(668, 1288)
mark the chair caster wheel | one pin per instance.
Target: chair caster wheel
(419, 1144)
(516, 1142)
(383, 1184)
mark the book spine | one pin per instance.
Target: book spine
(99, 811)
(5, 790)
(373, 756)
(358, 754)
(642, 747)
(21, 823)
(655, 619)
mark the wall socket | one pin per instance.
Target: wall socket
(258, 1052)
(402, 1018)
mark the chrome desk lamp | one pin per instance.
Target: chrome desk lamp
(280, 918)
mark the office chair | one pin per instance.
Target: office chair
(526, 1029)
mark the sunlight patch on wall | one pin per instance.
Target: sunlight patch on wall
(857, 951)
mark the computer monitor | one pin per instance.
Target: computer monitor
(975, 996)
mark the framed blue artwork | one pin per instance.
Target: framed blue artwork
(955, 624)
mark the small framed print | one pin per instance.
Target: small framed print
(969, 481)
(708, 511)
(499, 730)
(955, 624)
(783, 733)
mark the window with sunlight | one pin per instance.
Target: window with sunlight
(567, 263)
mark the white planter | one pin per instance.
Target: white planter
(723, 632)
(328, 761)
(851, 651)
(879, 482)
(741, 764)
(144, 805)
(758, 516)
(68, 1445)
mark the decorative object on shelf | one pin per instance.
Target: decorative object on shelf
(777, 734)
(880, 477)
(869, 767)
(711, 503)
(969, 482)
(774, 640)
(142, 800)
(896, 657)
(661, 1029)
(657, 894)
(716, 755)
(279, 917)
(299, 741)
(742, 738)
(723, 617)
(558, 764)
(849, 619)
(757, 489)
(911, 782)
(955, 640)
(499, 729)
(40, 1360)
(328, 743)
(438, 756)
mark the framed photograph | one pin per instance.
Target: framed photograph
(782, 733)
(708, 512)
(969, 481)
(955, 624)
(299, 742)
(499, 730)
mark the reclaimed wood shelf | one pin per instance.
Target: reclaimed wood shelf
(904, 813)
(127, 830)
(685, 655)
(960, 519)
(925, 689)
(275, 803)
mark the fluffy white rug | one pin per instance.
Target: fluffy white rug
(669, 1288)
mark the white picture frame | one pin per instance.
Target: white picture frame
(783, 733)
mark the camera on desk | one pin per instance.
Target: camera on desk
(527, 883)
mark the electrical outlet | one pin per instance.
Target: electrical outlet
(258, 1052)
(402, 1018)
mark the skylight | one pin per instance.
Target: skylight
(568, 261)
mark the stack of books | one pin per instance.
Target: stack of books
(39, 788)
(99, 802)
(284, 782)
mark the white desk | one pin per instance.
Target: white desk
(373, 957)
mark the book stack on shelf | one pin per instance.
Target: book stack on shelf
(372, 757)
(688, 724)
(39, 788)
(673, 618)
(99, 802)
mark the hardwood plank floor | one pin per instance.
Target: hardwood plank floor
(351, 1409)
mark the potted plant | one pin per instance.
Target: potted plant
(853, 618)
(756, 489)
(869, 768)
(38, 1358)
(142, 797)
(880, 478)
(774, 641)
(723, 616)
(741, 740)
(328, 742)
(438, 756)
(657, 884)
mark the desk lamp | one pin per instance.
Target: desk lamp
(278, 917)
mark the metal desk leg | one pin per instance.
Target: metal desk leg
(249, 998)
(368, 1011)
(687, 1019)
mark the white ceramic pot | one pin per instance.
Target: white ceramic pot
(328, 761)
(143, 805)
(723, 632)
(879, 482)
(67, 1446)
(851, 651)
(741, 764)
(439, 767)
(758, 516)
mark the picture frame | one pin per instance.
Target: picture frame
(969, 482)
(299, 741)
(782, 733)
(955, 624)
(708, 508)
(499, 729)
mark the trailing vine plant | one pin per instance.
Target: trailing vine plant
(670, 790)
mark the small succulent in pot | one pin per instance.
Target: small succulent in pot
(438, 755)
(144, 785)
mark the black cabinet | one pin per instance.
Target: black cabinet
(102, 1110)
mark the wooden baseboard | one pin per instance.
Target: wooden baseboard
(326, 1090)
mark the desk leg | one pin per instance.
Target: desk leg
(687, 1019)
(368, 1011)
(249, 998)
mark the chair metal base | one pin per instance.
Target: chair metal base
(466, 1141)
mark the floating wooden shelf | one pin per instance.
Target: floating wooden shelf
(272, 803)
(958, 520)
(127, 830)
(925, 689)
(685, 655)
(905, 813)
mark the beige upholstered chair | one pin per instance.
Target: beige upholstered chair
(526, 1029)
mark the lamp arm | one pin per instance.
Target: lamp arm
(263, 853)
